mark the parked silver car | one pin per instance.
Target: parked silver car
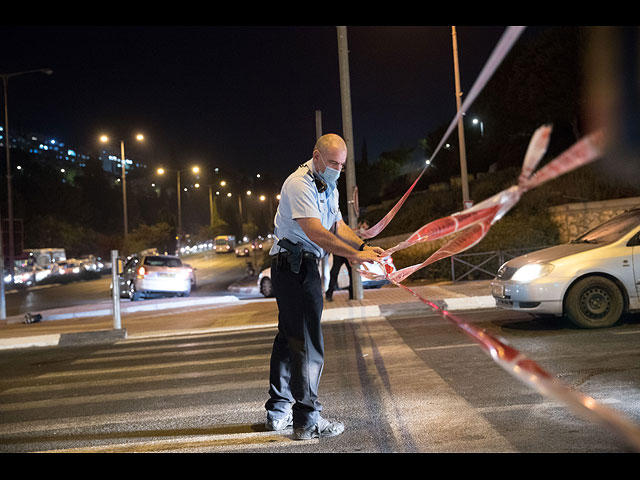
(592, 280)
(266, 288)
(154, 275)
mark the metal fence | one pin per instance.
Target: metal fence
(483, 265)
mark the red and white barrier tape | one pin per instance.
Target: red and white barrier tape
(468, 228)
(532, 374)
(503, 47)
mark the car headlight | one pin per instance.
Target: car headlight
(532, 271)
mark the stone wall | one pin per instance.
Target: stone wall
(574, 219)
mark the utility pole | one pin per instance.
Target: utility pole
(324, 263)
(347, 128)
(463, 153)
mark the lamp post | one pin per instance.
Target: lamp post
(161, 171)
(5, 79)
(105, 139)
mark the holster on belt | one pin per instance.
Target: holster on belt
(294, 255)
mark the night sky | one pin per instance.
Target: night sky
(236, 97)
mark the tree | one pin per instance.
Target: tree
(158, 236)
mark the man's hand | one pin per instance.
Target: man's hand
(345, 244)
(369, 254)
(378, 250)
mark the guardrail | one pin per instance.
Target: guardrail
(489, 263)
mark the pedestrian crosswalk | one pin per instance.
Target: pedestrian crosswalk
(197, 393)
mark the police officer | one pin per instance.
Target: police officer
(308, 225)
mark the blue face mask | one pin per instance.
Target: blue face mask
(330, 175)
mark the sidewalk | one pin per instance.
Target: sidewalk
(94, 323)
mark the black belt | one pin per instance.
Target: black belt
(309, 255)
(282, 257)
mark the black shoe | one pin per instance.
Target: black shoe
(329, 298)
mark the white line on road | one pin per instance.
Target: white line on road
(444, 347)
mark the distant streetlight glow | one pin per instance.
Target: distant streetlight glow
(179, 188)
(123, 161)
(476, 121)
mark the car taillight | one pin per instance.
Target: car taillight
(141, 272)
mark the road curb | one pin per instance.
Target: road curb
(330, 314)
(469, 303)
(87, 338)
(61, 339)
(77, 312)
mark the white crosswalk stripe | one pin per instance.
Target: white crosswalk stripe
(178, 394)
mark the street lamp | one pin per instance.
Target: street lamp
(475, 121)
(105, 139)
(5, 79)
(161, 171)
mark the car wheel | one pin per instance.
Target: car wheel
(133, 294)
(266, 288)
(594, 302)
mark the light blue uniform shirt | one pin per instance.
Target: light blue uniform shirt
(299, 198)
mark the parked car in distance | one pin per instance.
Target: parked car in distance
(66, 267)
(266, 289)
(592, 280)
(147, 276)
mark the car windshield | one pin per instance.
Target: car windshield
(222, 242)
(611, 230)
(162, 262)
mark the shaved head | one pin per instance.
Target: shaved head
(329, 142)
(330, 149)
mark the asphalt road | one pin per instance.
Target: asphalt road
(214, 273)
(400, 383)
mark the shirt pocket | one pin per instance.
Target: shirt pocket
(333, 211)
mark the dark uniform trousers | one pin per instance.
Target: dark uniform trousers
(297, 358)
